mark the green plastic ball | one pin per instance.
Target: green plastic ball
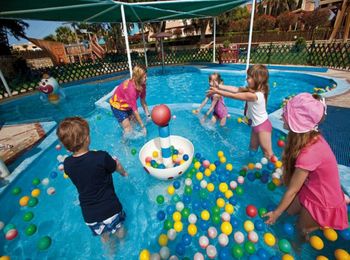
(239, 190)
(32, 202)
(242, 173)
(215, 218)
(8, 227)
(44, 243)
(203, 194)
(30, 230)
(185, 213)
(36, 181)
(16, 191)
(133, 151)
(237, 251)
(168, 224)
(215, 210)
(284, 246)
(249, 247)
(175, 198)
(262, 212)
(28, 216)
(257, 175)
(160, 199)
(188, 190)
(271, 186)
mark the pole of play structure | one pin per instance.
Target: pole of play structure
(126, 39)
(4, 172)
(214, 44)
(162, 47)
(144, 45)
(250, 33)
(5, 83)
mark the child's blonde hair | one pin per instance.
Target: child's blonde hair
(217, 76)
(73, 133)
(137, 74)
(260, 75)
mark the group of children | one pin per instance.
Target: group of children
(310, 170)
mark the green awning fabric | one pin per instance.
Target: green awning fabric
(109, 11)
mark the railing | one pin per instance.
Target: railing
(335, 55)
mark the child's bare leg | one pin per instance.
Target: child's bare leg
(105, 237)
(254, 141)
(223, 121)
(120, 233)
(213, 119)
(306, 223)
(265, 143)
(126, 125)
(295, 207)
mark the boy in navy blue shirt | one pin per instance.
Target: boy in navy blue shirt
(91, 173)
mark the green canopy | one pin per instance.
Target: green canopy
(109, 11)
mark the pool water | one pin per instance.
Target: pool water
(59, 215)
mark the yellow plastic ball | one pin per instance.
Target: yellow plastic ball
(35, 193)
(239, 120)
(65, 175)
(287, 257)
(24, 201)
(155, 154)
(228, 194)
(220, 154)
(316, 242)
(276, 181)
(278, 164)
(148, 164)
(226, 228)
(197, 165)
(207, 172)
(223, 159)
(248, 225)
(174, 157)
(205, 215)
(192, 229)
(182, 162)
(223, 187)
(220, 202)
(176, 216)
(229, 167)
(145, 255)
(212, 167)
(269, 239)
(341, 254)
(321, 257)
(229, 208)
(5, 257)
(171, 190)
(163, 240)
(199, 176)
(330, 234)
(251, 166)
(210, 187)
(178, 226)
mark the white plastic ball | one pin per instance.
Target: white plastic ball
(188, 182)
(240, 179)
(212, 232)
(173, 257)
(58, 147)
(279, 171)
(171, 234)
(180, 206)
(225, 216)
(60, 158)
(211, 251)
(155, 256)
(223, 239)
(264, 161)
(239, 237)
(198, 256)
(253, 236)
(276, 175)
(192, 218)
(203, 184)
(45, 181)
(60, 167)
(258, 166)
(174, 117)
(51, 190)
(233, 185)
(203, 242)
(164, 252)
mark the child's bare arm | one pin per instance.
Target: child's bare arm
(120, 169)
(213, 103)
(245, 96)
(196, 111)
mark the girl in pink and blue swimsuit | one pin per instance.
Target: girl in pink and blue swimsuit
(218, 107)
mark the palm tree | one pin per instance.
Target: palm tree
(14, 27)
(65, 34)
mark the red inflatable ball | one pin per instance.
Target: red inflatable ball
(161, 115)
(11, 234)
(280, 143)
(251, 211)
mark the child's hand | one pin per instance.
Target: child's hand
(124, 173)
(212, 91)
(195, 111)
(144, 131)
(272, 217)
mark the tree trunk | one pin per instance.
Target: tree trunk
(338, 20)
(347, 26)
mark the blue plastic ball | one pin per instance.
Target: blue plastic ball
(198, 156)
(264, 178)
(196, 187)
(202, 160)
(265, 172)
(185, 157)
(288, 229)
(262, 253)
(219, 195)
(271, 207)
(222, 178)
(53, 175)
(259, 224)
(186, 239)
(270, 166)
(196, 205)
(234, 222)
(205, 204)
(186, 199)
(224, 254)
(161, 215)
(212, 178)
(275, 257)
(345, 234)
(170, 209)
(201, 169)
(251, 176)
(254, 257)
(175, 151)
(180, 249)
(204, 225)
(233, 200)
(217, 163)
(176, 184)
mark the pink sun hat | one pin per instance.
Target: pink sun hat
(303, 113)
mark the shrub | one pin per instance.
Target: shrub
(264, 22)
(299, 45)
(316, 18)
(226, 44)
(286, 20)
(239, 25)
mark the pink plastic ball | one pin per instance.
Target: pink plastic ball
(223, 240)
(240, 179)
(161, 115)
(198, 256)
(212, 232)
(239, 237)
(203, 242)
(253, 236)
(148, 159)
(211, 251)
(58, 147)
(206, 163)
(233, 185)
(225, 217)
(11, 234)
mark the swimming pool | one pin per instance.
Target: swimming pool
(59, 216)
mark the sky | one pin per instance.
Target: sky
(40, 29)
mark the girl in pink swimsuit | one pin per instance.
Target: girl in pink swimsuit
(310, 170)
(218, 106)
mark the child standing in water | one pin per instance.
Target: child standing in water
(310, 170)
(218, 106)
(91, 173)
(255, 94)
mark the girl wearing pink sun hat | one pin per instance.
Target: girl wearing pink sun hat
(310, 170)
